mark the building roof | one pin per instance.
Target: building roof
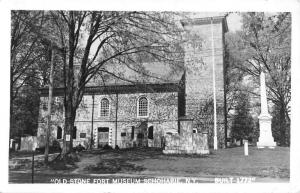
(138, 78)
(146, 73)
(120, 89)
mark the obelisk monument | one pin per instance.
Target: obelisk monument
(265, 132)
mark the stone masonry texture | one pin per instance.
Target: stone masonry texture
(162, 116)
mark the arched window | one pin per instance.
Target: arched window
(59, 132)
(143, 107)
(104, 107)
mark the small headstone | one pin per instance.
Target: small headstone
(16, 146)
(246, 147)
(11, 143)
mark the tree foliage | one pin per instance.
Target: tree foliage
(30, 56)
(264, 44)
(233, 75)
(204, 121)
(25, 48)
(242, 124)
(25, 110)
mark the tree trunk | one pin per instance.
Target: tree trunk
(70, 113)
(69, 125)
(49, 107)
(282, 125)
(287, 126)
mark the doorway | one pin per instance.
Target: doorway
(103, 138)
(141, 136)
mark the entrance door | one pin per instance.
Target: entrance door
(103, 136)
(141, 138)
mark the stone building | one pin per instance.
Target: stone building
(142, 114)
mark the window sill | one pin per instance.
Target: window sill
(141, 117)
(103, 117)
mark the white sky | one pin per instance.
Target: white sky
(234, 22)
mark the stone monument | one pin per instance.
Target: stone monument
(186, 141)
(265, 132)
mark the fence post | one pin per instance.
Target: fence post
(246, 147)
(32, 168)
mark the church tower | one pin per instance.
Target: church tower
(204, 76)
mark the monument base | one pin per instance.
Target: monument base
(265, 132)
(270, 145)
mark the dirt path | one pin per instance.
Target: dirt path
(90, 160)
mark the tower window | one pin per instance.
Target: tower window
(104, 107)
(142, 107)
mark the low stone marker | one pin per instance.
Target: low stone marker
(186, 142)
(29, 143)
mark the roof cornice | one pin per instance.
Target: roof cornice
(206, 20)
(119, 89)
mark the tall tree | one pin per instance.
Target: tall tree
(26, 52)
(242, 125)
(96, 41)
(233, 74)
(25, 110)
(265, 44)
(25, 47)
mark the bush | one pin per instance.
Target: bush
(79, 148)
(54, 148)
(243, 123)
(106, 146)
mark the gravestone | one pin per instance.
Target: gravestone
(265, 132)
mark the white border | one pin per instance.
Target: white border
(157, 5)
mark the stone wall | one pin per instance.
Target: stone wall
(186, 142)
(163, 116)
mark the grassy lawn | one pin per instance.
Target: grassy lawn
(149, 162)
(224, 162)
